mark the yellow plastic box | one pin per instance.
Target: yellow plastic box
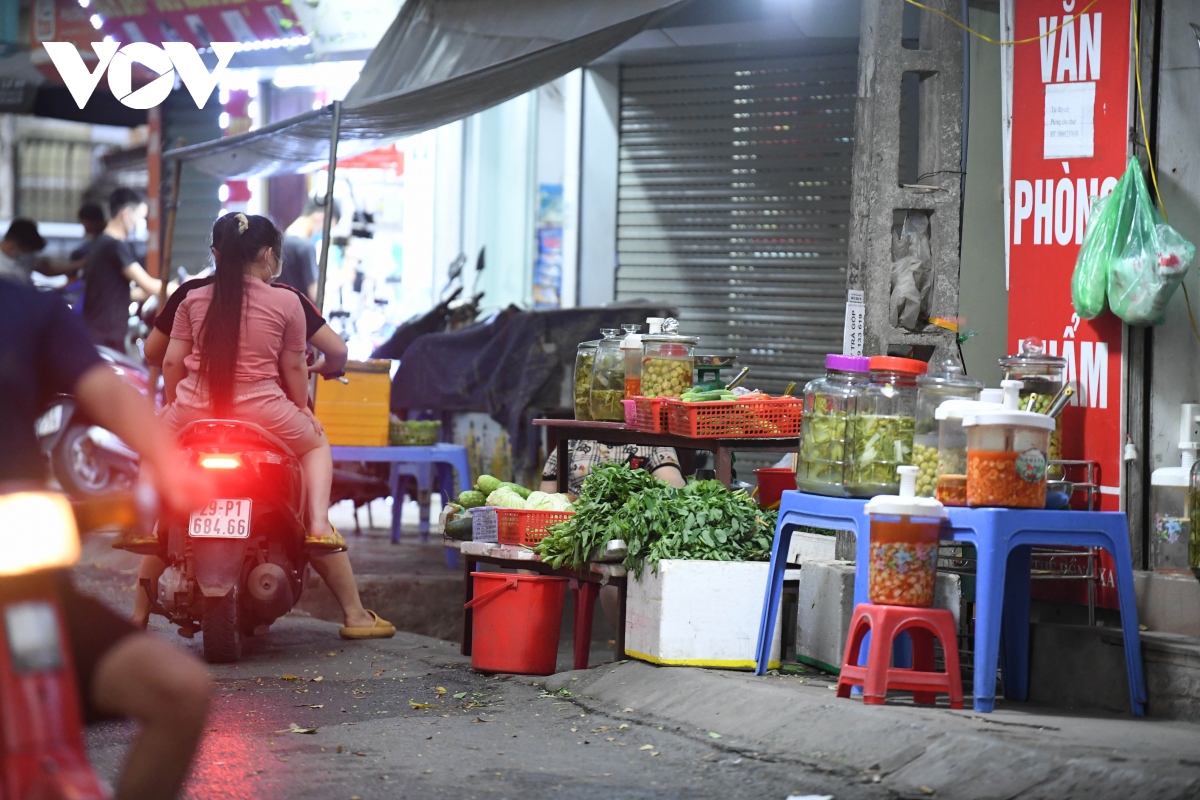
(356, 413)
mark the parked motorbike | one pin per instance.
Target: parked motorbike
(88, 460)
(44, 756)
(237, 565)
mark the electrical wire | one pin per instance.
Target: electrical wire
(1137, 77)
(989, 39)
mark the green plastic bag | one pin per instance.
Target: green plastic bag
(1108, 226)
(1152, 263)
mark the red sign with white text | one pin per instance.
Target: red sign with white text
(1070, 143)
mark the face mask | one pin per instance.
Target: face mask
(278, 269)
(140, 231)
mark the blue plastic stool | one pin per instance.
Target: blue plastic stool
(1003, 539)
(416, 462)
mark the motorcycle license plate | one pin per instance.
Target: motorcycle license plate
(222, 519)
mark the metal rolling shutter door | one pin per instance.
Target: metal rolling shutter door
(734, 203)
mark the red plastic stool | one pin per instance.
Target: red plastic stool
(884, 623)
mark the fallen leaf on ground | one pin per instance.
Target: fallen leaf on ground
(294, 728)
(330, 655)
(287, 676)
(926, 789)
(415, 704)
(626, 710)
(646, 747)
(601, 729)
(481, 719)
(460, 695)
(379, 672)
(359, 753)
(339, 749)
(318, 705)
(439, 691)
(317, 679)
(623, 726)
(714, 735)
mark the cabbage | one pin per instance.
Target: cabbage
(539, 501)
(505, 498)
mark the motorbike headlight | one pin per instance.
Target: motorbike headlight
(37, 531)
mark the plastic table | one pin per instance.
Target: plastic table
(1003, 540)
(416, 462)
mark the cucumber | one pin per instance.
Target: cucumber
(460, 528)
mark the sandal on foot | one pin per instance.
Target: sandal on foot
(382, 629)
(332, 542)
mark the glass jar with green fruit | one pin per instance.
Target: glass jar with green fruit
(585, 359)
(1043, 375)
(668, 362)
(947, 381)
(880, 431)
(828, 403)
(608, 378)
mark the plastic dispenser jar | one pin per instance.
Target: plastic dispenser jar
(905, 531)
(947, 382)
(631, 350)
(668, 362)
(828, 403)
(1173, 499)
(952, 444)
(880, 431)
(608, 378)
(1007, 455)
(585, 360)
(1043, 376)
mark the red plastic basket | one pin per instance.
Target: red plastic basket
(778, 417)
(652, 414)
(526, 526)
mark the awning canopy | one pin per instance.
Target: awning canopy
(440, 61)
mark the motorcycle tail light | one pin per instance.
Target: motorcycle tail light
(37, 532)
(216, 461)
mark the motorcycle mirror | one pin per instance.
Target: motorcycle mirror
(456, 267)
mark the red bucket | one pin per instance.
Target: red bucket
(516, 623)
(772, 483)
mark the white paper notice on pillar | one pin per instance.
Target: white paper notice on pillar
(1070, 112)
(856, 315)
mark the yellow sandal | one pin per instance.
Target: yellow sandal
(330, 543)
(382, 629)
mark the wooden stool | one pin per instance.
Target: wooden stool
(884, 623)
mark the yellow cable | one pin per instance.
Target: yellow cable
(989, 39)
(1137, 77)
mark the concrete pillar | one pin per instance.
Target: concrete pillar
(936, 86)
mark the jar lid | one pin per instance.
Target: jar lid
(906, 503)
(910, 366)
(670, 337)
(1031, 351)
(948, 375)
(847, 363)
(957, 409)
(1019, 419)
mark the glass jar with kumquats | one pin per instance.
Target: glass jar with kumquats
(1043, 375)
(904, 536)
(668, 362)
(947, 381)
(879, 434)
(828, 403)
(1007, 455)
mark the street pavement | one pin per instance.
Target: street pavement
(407, 717)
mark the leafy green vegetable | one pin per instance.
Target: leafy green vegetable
(518, 488)
(487, 484)
(704, 520)
(540, 501)
(471, 499)
(505, 497)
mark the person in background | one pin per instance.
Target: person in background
(91, 216)
(121, 671)
(19, 254)
(299, 251)
(661, 462)
(110, 267)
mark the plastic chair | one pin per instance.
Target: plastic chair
(886, 623)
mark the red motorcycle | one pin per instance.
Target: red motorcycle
(237, 565)
(42, 754)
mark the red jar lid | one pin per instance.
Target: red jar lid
(910, 366)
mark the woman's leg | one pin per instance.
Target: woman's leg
(151, 569)
(317, 465)
(335, 570)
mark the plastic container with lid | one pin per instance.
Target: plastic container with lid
(608, 378)
(905, 531)
(1173, 501)
(1043, 376)
(631, 352)
(585, 360)
(828, 403)
(880, 430)
(1007, 454)
(668, 361)
(947, 381)
(952, 444)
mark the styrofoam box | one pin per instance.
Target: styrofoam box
(698, 614)
(807, 546)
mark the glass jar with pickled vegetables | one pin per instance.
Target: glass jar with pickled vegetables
(608, 378)
(904, 536)
(1043, 375)
(828, 404)
(947, 381)
(667, 362)
(1007, 455)
(880, 431)
(585, 359)
(951, 487)
(1193, 516)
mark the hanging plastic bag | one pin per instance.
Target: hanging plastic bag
(912, 268)
(1152, 262)
(1107, 228)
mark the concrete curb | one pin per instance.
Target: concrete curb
(911, 750)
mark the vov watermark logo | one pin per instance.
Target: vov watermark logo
(172, 57)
